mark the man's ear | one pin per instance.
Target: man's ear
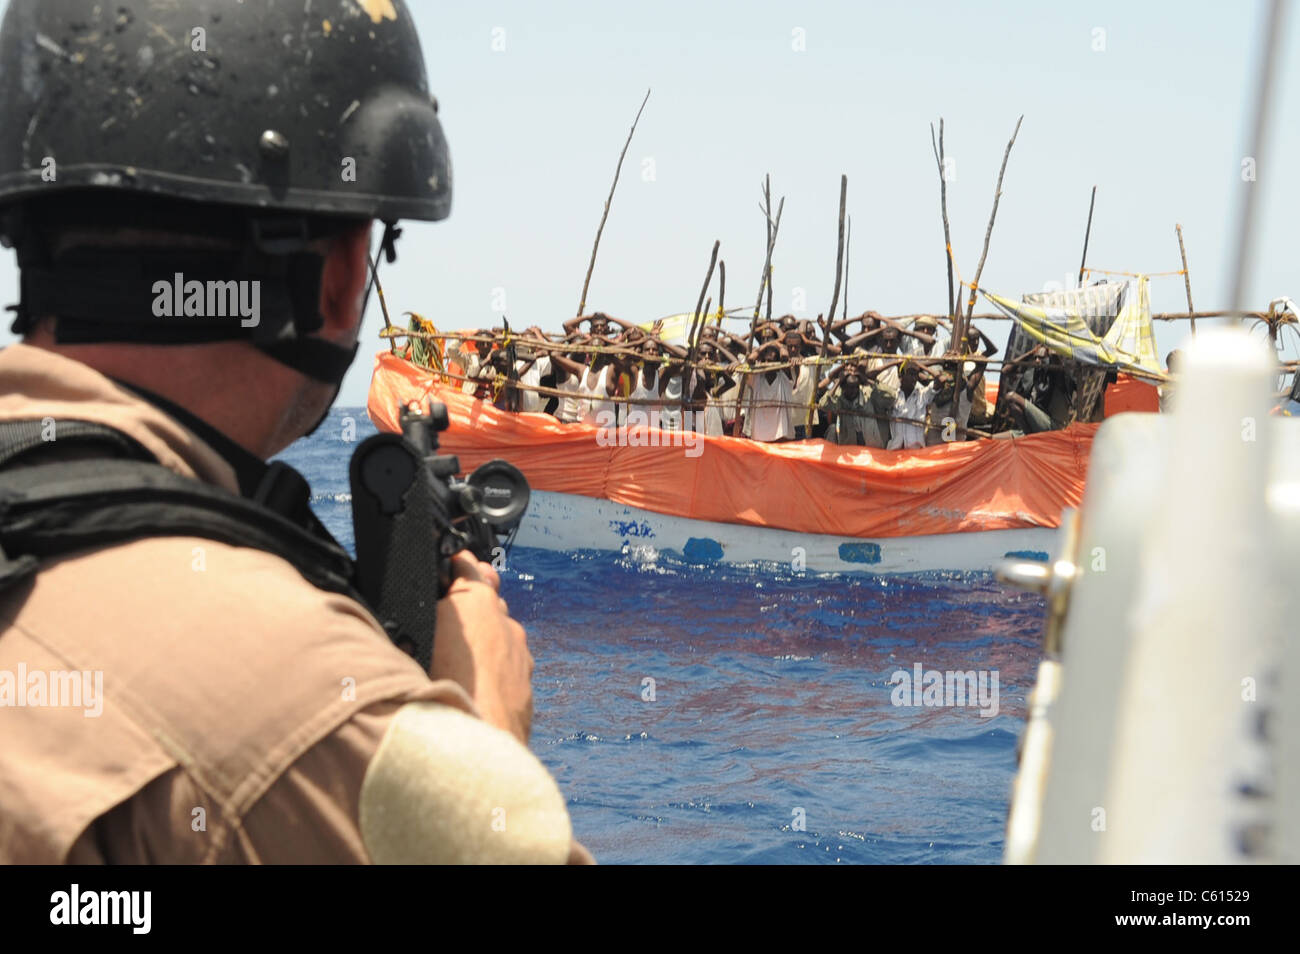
(343, 282)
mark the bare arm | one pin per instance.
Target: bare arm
(568, 365)
(891, 363)
(727, 354)
(990, 349)
(861, 338)
(830, 379)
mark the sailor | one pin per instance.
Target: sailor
(252, 710)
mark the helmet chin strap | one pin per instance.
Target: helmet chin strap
(325, 361)
(320, 360)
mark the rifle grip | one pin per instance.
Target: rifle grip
(398, 522)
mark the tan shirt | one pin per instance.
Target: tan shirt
(241, 708)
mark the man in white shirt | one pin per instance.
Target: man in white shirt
(803, 353)
(771, 396)
(531, 370)
(908, 427)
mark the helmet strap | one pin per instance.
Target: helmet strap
(102, 295)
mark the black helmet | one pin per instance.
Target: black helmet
(269, 121)
(317, 106)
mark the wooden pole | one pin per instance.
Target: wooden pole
(1261, 126)
(771, 241)
(839, 247)
(1187, 278)
(988, 232)
(383, 305)
(762, 281)
(1087, 233)
(722, 292)
(586, 283)
(943, 205)
(835, 296)
(692, 343)
(848, 237)
(765, 281)
(768, 278)
(699, 303)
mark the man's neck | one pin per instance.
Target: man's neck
(249, 468)
(230, 386)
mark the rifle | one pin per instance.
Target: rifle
(411, 514)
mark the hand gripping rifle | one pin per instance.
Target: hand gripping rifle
(411, 514)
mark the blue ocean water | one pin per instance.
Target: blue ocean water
(770, 735)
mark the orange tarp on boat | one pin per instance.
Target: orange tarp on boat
(1131, 394)
(808, 486)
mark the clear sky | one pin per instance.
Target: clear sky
(536, 100)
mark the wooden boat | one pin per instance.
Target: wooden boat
(804, 506)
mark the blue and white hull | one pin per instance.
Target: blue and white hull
(557, 521)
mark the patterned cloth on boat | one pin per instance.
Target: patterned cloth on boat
(1060, 320)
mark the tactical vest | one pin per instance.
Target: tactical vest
(96, 486)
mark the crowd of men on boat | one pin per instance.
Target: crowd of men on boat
(870, 380)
